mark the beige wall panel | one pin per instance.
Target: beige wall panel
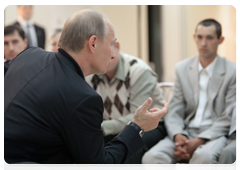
(124, 19)
(228, 20)
(144, 34)
(172, 39)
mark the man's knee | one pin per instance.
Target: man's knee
(202, 156)
(152, 157)
(228, 155)
(148, 158)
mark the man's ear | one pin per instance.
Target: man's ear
(221, 39)
(117, 45)
(92, 43)
(194, 37)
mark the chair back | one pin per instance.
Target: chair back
(167, 89)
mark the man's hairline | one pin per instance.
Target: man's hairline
(208, 26)
(14, 33)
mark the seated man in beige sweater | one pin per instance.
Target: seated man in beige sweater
(128, 82)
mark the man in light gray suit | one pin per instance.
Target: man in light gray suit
(228, 155)
(198, 118)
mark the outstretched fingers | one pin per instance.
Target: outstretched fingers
(160, 112)
(149, 120)
(146, 104)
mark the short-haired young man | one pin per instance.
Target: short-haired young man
(205, 90)
(14, 41)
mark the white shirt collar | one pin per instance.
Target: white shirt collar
(24, 22)
(209, 68)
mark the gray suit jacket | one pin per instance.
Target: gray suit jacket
(233, 121)
(221, 96)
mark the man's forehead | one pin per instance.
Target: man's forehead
(209, 30)
(111, 31)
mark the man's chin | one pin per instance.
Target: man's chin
(204, 55)
(9, 58)
(101, 72)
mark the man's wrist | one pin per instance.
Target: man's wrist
(201, 140)
(138, 128)
(179, 134)
(102, 128)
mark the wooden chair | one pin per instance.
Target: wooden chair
(168, 94)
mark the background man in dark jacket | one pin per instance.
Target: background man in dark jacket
(34, 33)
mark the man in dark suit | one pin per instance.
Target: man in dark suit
(34, 33)
(51, 115)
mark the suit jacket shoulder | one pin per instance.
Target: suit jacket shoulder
(230, 65)
(186, 63)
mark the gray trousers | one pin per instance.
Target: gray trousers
(208, 153)
(228, 155)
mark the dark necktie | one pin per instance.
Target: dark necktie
(28, 35)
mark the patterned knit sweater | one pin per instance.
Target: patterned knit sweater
(132, 84)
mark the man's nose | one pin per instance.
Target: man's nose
(204, 42)
(11, 47)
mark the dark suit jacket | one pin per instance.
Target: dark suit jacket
(51, 115)
(40, 32)
(6, 63)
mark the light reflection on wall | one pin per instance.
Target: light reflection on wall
(228, 14)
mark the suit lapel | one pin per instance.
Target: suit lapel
(193, 77)
(216, 80)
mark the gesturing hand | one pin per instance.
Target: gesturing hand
(148, 120)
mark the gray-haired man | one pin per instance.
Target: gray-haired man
(53, 115)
